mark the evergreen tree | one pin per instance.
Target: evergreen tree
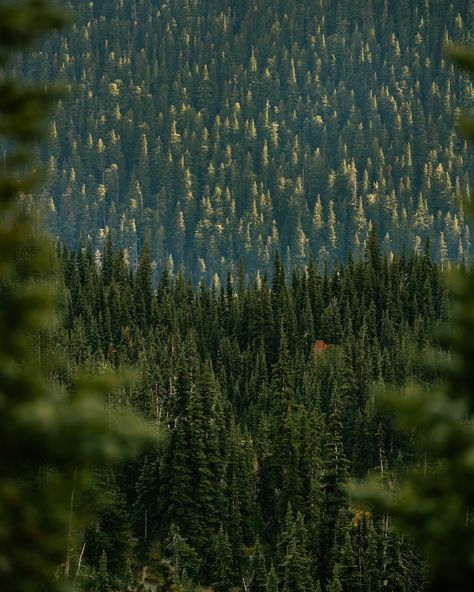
(258, 577)
(217, 156)
(103, 579)
(296, 563)
(272, 580)
(183, 557)
(222, 560)
(336, 469)
(335, 584)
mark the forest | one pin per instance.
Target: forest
(263, 390)
(236, 295)
(230, 129)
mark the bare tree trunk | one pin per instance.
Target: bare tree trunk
(67, 566)
(79, 563)
(146, 524)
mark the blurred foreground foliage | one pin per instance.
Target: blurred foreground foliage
(434, 503)
(49, 439)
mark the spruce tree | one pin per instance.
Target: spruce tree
(297, 576)
(222, 573)
(258, 572)
(103, 581)
(335, 584)
(335, 470)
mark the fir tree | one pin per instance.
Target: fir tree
(222, 559)
(296, 563)
(258, 577)
(103, 579)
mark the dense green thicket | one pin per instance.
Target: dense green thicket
(227, 129)
(265, 423)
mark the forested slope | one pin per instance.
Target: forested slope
(224, 129)
(264, 391)
(204, 143)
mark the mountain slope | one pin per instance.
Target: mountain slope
(225, 130)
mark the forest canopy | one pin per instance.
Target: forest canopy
(226, 130)
(259, 211)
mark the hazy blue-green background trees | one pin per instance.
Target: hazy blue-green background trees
(230, 129)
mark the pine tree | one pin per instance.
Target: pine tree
(258, 577)
(183, 557)
(110, 531)
(222, 562)
(296, 563)
(177, 479)
(336, 468)
(128, 579)
(143, 289)
(348, 572)
(335, 584)
(272, 580)
(103, 579)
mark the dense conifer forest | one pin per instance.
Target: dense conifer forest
(262, 388)
(229, 129)
(254, 207)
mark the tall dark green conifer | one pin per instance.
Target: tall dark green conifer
(258, 572)
(222, 573)
(296, 565)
